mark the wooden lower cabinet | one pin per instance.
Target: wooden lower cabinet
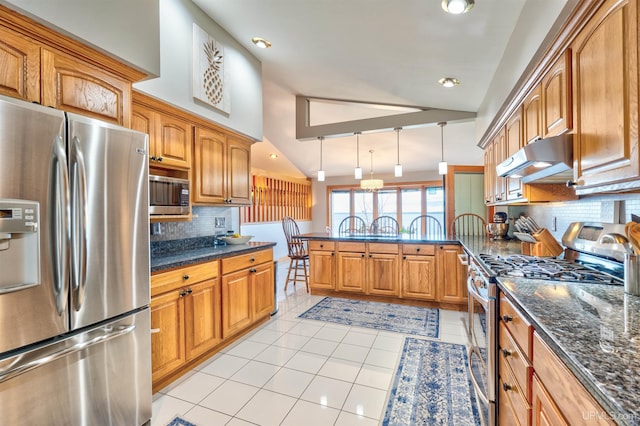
(544, 410)
(383, 269)
(352, 271)
(185, 316)
(452, 275)
(418, 272)
(247, 290)
(322, 265)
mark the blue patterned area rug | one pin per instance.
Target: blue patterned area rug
(178, 421)
(380, 316)
(432, 387)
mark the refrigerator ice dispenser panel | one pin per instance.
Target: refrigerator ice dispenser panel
(19, 245)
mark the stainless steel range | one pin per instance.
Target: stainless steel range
(594, 253)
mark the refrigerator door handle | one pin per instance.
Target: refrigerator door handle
(59, 224)
(32, 360)
(78, 224)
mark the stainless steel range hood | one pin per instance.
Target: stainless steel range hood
(547, 160)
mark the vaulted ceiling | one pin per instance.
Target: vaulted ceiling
(380, 52)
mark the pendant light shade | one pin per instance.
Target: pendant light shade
(358, 170)
(397, 170)
(371, 184)
(457, 7)
(321, 171)
(442, 165)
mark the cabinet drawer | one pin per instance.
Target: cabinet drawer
(512, 354)
(514, 393)
(383, 248)
(170, 280)
(419, 249)
(322, 245)
(244, 261)
(520, 328)
(351, 246)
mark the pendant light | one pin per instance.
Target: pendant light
(321, 171)
(442, 165)
(371, 184)
(457, 7)
(358, 170)
(397, 170)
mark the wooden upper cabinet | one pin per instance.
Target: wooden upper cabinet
(513, 135)
(489, 174)
(499, 155)
(532, 118)
(19, 66)
(605, 99)
(556, 97)
(239, 171)
(170, 137)
(79, 87)
(209, 166)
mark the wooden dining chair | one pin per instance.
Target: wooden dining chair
(468, 224)
(298, 254)
(385, 225)
(427, 226)
(354, 225)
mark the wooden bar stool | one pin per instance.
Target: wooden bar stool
(298, 254)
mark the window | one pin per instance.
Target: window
(403, 203)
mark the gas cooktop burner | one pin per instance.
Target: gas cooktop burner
(547, 269)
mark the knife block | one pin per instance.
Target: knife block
(535, 249)
(550, 244)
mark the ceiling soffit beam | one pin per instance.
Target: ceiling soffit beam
(304, 131)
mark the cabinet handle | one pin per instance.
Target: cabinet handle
(160, 159)
(253, 270)
(506, 352)
(507, 318)
(370, 255)
(153, 158)
(189, 291)
(418, 250)
(321, 245)
(183, 293)
(404, 257)
(362, 255)
(332, 253)
(519, 194)
(253, 259)
(506, 387)
(185, 277)
(498, 198)
(571, 183)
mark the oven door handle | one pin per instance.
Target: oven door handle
(471, 350)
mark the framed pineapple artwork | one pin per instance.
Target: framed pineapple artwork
(210, 81)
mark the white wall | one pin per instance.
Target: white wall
(272, 231)
(128, 30)
(175, 82)
(319, 192)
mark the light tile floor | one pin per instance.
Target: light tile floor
(292, 371)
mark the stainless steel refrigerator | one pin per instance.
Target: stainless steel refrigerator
(75, 346)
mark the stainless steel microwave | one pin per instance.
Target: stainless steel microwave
(168, 195)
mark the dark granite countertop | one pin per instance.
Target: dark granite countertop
(375, 238)
(167, 255)
(595, 330)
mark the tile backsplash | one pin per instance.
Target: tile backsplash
(206, 221)
(610, 208)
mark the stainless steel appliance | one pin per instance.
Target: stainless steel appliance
(168, 195)
(74, 255)
(593, 254)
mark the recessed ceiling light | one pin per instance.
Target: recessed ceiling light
(274, 156)
(449, 81)
(457, 7)
(262, 43)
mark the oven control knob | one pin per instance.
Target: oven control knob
(507, 318)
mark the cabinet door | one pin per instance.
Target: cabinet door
(605, 96)
(451, 275)
(209, 166)
(173, 142)
(489, 174)
(74, 86)
(419, 277)
(499, 155)
(236, 306)
(513, 135)
(352, 271)
(383, 273)
(239, 173)
(543, 411)
(322, 270)
(262, 294)
(531, 117)
(556, 97)
(20, 70)
(168, 340)
(202, 317)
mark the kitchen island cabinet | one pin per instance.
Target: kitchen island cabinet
(322, 265)
(418, 272)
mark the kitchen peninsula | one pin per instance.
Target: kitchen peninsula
(389, 268)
